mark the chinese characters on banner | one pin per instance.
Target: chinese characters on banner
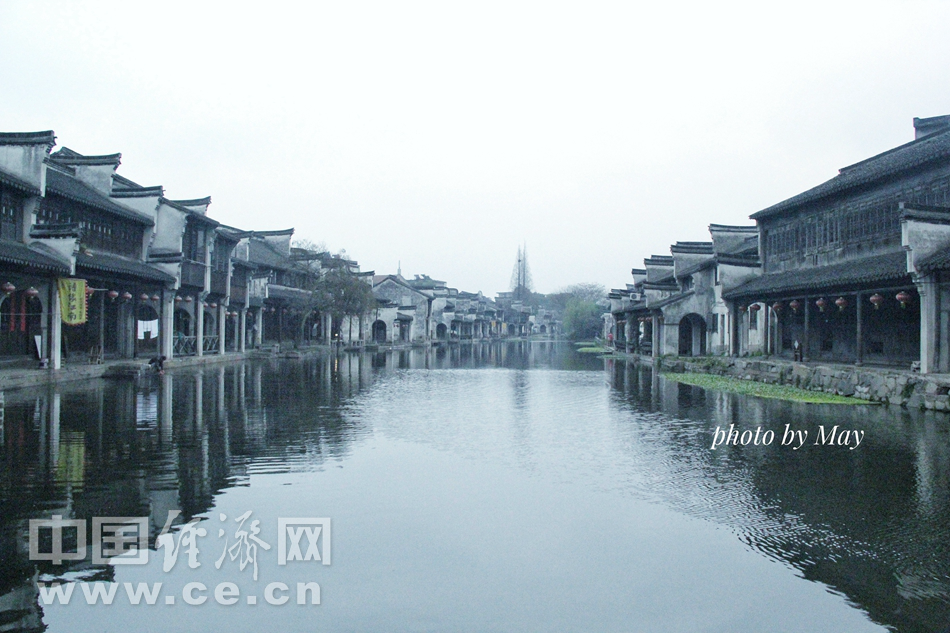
(72, 299)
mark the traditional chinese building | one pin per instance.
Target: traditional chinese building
(840, 280)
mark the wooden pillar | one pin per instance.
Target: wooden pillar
(655, 336)
(858, 329)
(259, 333)
(55, 346)
(242, 345)
(805, 355)
(166, 323)
(927, 289)
(199, 327)
(768, 330)
(222, 326)
(102, 325)
(735, 341)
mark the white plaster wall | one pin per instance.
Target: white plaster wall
(98, 177)
(922, 239)
(26, 162)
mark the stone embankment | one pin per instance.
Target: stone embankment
(888, 386)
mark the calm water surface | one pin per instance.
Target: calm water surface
(515, 487)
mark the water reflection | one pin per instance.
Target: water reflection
(871, 524)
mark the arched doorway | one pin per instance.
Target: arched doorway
(512, 330)
(379, 332)
(441, 331)
(692, 335)
(543, 329)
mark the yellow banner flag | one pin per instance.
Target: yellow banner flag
(72, 300)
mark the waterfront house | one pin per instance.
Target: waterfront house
(848, 267)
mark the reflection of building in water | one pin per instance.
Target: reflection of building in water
(161, 444)
(872, 523)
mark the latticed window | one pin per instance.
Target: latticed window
(112, 235)
(193, 243)
(221, 256)
(100, 231)
(10, 215)
(54, 211)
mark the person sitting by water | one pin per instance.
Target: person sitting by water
(158, 363)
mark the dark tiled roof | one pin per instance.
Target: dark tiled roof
(746, 259)
(18, 253)
(879, 268)
(287, 293)
(733, 228)
(261, 253)
(74, 189)
(674, 299)
(890, 163)
(699, 248)
(28, 138)
(748, 245)
(67, 156)
(17, 183)
(120, 266)
(698, 266)
(938, 261)
(193, 213)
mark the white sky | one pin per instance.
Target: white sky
(445, 134)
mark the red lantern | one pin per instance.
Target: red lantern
(32, 292)
(113, 294)
(212, 305)
(90, 291)
(903, 297)
(742, 308)
(755, 307)
(178, 299)
(189, 299)
(776, 307)
(842, 303)
(795, 305)
(8, 288)
(821, 303)
(126, 296)
(876, 300)
(156, 298)
(143, 297)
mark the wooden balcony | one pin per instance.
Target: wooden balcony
(193, 274)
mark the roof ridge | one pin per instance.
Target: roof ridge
(46, 137)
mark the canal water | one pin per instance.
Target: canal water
(504, 487)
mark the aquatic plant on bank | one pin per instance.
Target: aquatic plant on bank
(592, 347)
(760, 389)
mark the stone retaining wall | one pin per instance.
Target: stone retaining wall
(892, 387)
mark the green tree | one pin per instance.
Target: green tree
(341, 293)
(581, 319)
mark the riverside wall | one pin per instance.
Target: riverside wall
(888, 386)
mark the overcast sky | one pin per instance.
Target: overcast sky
(444, 135)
